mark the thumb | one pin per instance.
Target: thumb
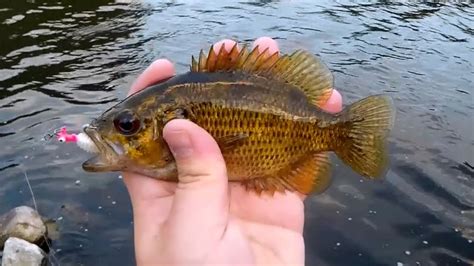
(201, 200)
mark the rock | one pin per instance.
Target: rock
(22, 222)
(19, 252)
(52, 229)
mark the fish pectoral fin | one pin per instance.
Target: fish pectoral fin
(231, 141)
(311, 174)
(180, 112)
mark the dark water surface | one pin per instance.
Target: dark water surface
(64, 62)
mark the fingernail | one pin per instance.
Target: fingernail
(180, 144)
(334, 103)
(266, 42)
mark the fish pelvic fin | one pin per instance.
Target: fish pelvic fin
(365, 127)
(301, 69)
(311, 174)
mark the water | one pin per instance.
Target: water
(63, 62)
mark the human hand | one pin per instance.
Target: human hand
(203, 219)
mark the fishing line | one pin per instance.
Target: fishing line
(51, 250)
(31, 190)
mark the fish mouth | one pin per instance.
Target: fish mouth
(108, 158)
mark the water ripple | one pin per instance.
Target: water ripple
(63, 63)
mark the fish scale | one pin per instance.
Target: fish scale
(256, 156)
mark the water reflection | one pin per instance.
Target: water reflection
(64, 62)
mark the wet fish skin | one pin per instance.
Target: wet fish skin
(263, 112)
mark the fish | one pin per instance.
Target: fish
(264, 111)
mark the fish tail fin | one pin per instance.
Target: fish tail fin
(366, 126)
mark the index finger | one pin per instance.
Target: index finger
(262, 43)
(159, 70)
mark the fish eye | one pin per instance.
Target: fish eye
(127, 123)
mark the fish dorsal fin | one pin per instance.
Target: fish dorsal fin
(301, 69)
(305, 71)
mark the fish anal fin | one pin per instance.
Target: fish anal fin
(311, 174)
